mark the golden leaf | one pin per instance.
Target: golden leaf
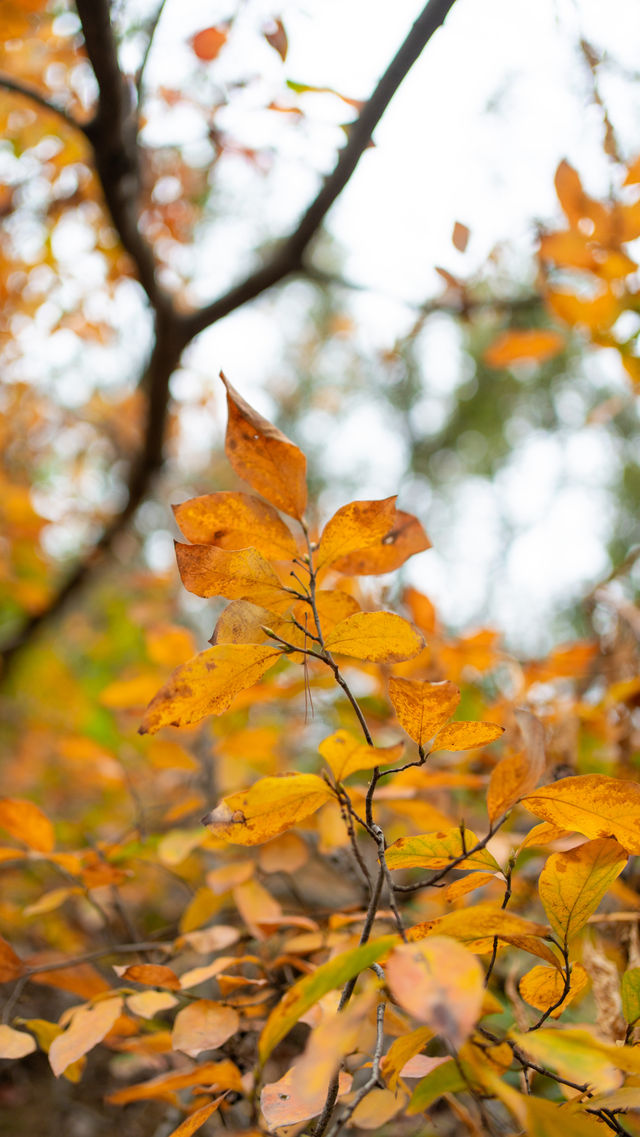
(466, 735)
(573, 883)
(517, 774)
(264, 456)
(370, 538)
(440, 983)
(207, 684)
(241, 574)
(89, 1025)
(421, 707)
(268, 808)
(25, 821)
(593, 804)
(345, 754)
(235, 521)
(196, 1119)
(437, 850)
(532, 345)
(379, 637)
(543, 986)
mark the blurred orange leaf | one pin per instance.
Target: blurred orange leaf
(439, 982)
(208, 43)
(534, 345)
(25, 821)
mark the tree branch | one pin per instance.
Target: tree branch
(113, 135)
(18, 87)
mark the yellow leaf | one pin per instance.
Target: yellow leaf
(467, 884)
(543, 834)
(401, 1051)
(169, 645)
(533, 345)
(311, 988)
(196, 1119)
(440, 983)
(270, 806)
(244, 574)
(89, 1025)
(345, 755)
(147, 1004)
(466, 735)
(596, 313)
(203, 1025)
(25, 821)
(264, 456)
(257, 907)
(593, 804)
(333, 606)
(543, 986)
(437, 850)
(487, 921)
(207, 684)
(15, 1043)
(631, 994)
(421, 707)
(377, 1108)
(370, 538)
(380, 637)
(578, 1055)
(573, 883)
(235, 521)
(242, 622)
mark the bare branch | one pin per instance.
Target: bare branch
(19, 87)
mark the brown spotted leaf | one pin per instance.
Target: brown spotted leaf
(573, 883)
(593, 804)
(241, 574)
(268, 808)
(235, 521)
(264, 456)
(208, 684)
(422, 707)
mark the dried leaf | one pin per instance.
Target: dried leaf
(207, 684)
(268, 808)
(88, 1027)
(573, 883)
(11, 966)
(203, 1025)
(421, 707)
(153, 974)
(440, 983)
(379, 637)
(460, 236)
(25, 821)
(235, 521)
(370, 538)
(593, 804)
(241, 574)
(345, 754)
(223, 1075)
(402, 1050)
(265, 457)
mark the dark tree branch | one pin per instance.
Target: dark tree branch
(113, 135)
(18, 87)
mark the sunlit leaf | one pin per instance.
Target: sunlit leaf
(573, 883)
(422, 707)
(268, 808)
(437, 850)
(466, 735)
(311, 988)
(241, 574)
(593, 804)
(345, 754)
(265, 457)
(439, 983)
(235, 521)
(369, 538)
(207, 684)
(380, 637)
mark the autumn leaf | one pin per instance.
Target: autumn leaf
(379, 637)
(579, 1055)
(207, 684)
(422, 707)
(401, 1051)
(534, 345)
(345, 755)
(282, 1102)
(151, 974)
(486, 921)
(631, 994)
(268, 808)
(593, 804)
(15, 1043)
(11, 966)
(466, 735)
(437, 850)
(439, 983)
(265, 457)
(311, 988)
(369, 538)
(517, 774)
(573, 883)
(208, 43)
(203, 1025)
(445, 1078)
(276, 37)
(147, 1004)
(235, 521)
(542, 987)
(219, 1075)
(241, 574)
(460, 236)
(197, 1119)
(89, 1025)
(26, 822)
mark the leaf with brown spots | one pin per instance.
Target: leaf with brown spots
(594, 804)
(241, 574)
(421, 707)
(208, 684)
(268, 808)
(235, 521)
(264, 456)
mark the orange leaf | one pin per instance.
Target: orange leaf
(380, 637)
(543, 986)
(572, 884)
(196, 1119)
(370, 537)
(241, 574)
(535, 345)
(207, 684)
(264, 456)
(517, 774)
(488, 921)
(208, 43)
(421, 707)
(235, 521)
(220, 1075)
(345, 754)
(466, 735)
(272, 805)
(460, 236)
(596, 313)
(282, 1102)
(88, 1027)
(153, 975)
(11, 966)
(333, 606)
(593, 804)
(439, 982)
(403, 539)
(203, 1025)
(25, 821)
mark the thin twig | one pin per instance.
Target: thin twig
(372, 1081)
